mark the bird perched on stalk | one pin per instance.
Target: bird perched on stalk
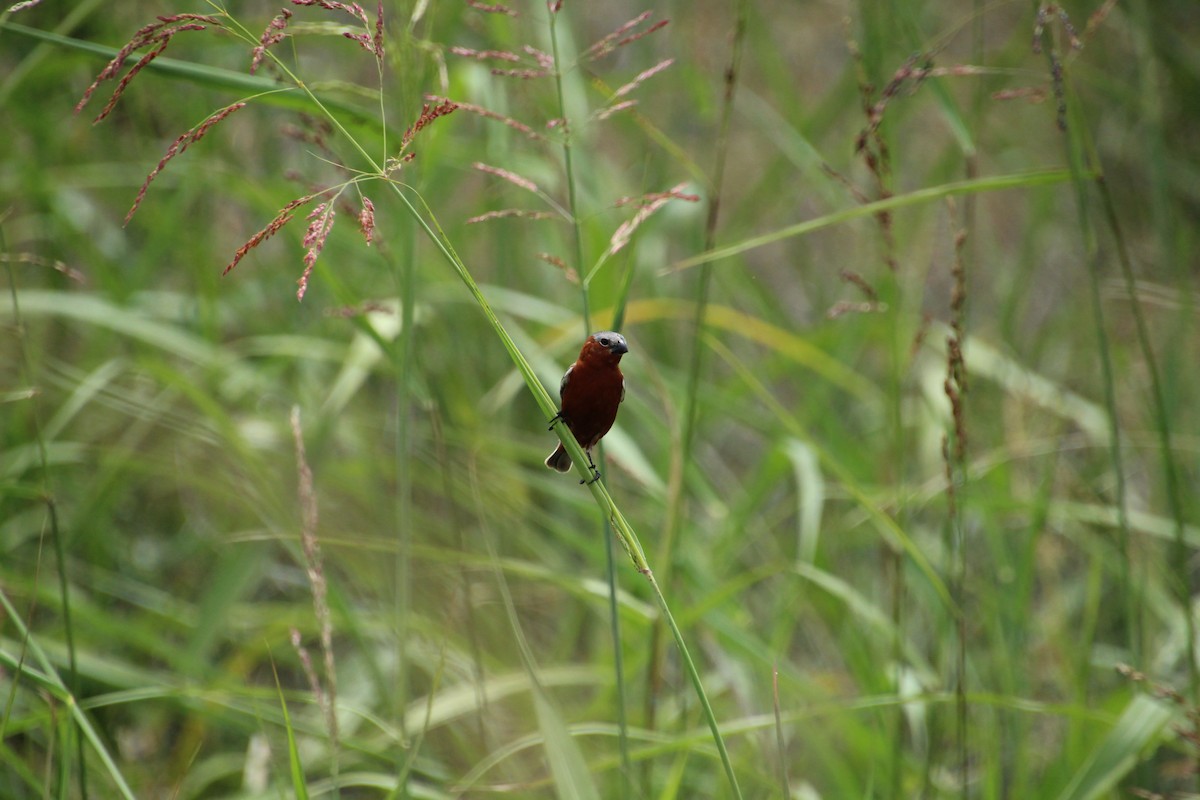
(591, 392)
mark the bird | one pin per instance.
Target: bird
(590, 394)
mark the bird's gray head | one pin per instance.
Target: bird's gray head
(611, 341)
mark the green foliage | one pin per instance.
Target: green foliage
(943, 622)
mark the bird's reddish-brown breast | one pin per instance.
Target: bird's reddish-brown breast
(593, 393)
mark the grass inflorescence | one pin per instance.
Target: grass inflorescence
(897, 502)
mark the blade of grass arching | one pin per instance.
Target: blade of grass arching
(625, 532)
(53, 683)
(265, 90)
(1117, 754)
(295, 765)
(995, 183)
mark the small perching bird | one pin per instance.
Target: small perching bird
(591, 392)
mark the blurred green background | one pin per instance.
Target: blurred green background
(868, 620)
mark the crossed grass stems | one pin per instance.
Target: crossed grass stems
(532, 64)
(371, 37)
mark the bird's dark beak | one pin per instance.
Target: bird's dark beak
(620, 348)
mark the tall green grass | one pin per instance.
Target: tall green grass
(818, 593)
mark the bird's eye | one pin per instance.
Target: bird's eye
(604, 341)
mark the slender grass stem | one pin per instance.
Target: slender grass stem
(56, 535)
(682, 455)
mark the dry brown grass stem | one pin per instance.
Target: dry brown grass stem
(315, 566)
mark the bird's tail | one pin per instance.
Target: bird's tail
(560, 459)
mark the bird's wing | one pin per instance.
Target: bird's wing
(563, 383)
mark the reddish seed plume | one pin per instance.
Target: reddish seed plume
(605, 46)
(662, 23)
(320, 223)
(543, 59)
(504, 174)
(524, 74)
(1035, 94)
(608, 111)
(353, 9)
(178, 146)
(1097, 18)
(428, 115)
(366, 220)
(282, 218)
(642, 77)
(273, 34)
(379, 32)
(555, 261)
(555, 6)
(623, 234)
(158, 33)
(365, 41)
(618, 38)
(491, 8)
(488, 114)
(129, 76)
(485, 55)
(511, 212)
(643, 200)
